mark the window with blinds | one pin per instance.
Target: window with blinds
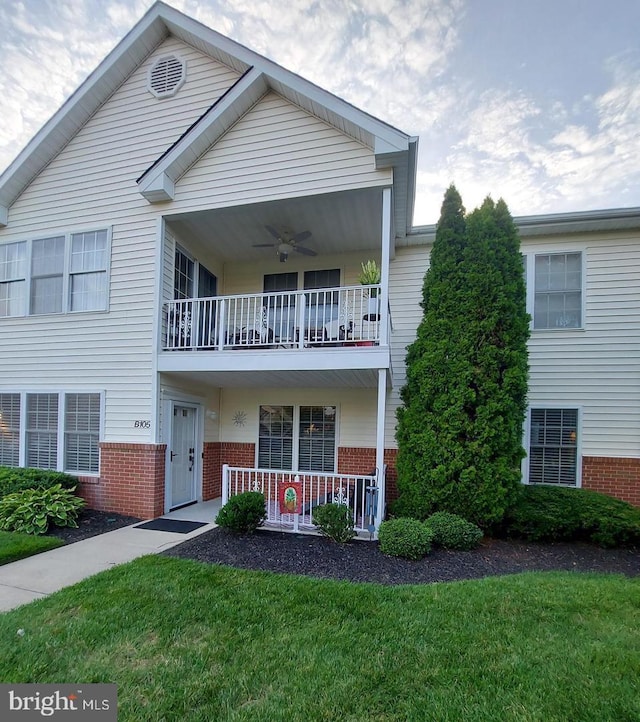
(275, 437)
(82, 432)
(42, 431)
(303, 438)
(553, 452)
(317, 438)
(88, 281)
(9, 429)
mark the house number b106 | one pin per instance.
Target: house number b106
(141, 424)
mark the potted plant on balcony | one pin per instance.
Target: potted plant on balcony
(369, 276)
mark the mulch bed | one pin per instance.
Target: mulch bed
(91, 523)
(362, 561)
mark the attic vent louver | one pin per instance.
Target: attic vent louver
(166, 76)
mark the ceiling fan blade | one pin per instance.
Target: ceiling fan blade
(302, 236)
(304, 251)
(273, 232)
(263, 245)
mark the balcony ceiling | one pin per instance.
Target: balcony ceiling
(339, 223)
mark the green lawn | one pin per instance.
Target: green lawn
(189, 641)
(17, 546)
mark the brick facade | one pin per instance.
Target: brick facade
(617, 477)
(131, 480)
(132, 476)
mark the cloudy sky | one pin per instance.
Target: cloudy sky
(537, 102)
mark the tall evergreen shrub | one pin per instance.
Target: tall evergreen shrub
(460, 427)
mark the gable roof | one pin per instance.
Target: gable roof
(392, 148)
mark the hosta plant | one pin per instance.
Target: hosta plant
(32, 511)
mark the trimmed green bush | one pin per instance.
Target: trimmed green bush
(547, 513)
(13, 479)
(243, 513)
(451, 531)
(334, 521)
(406, 538)
(32, 511)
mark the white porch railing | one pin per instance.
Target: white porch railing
(359, 493)
(301, 319)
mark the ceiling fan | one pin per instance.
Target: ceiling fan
(286, 242)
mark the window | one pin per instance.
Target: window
(558, 291)
(13, 279)
(275, 437)
(81, 432)
(301, 438)
(61, 431)
(42, 431)
(9, 429)
(55, 275)
(553, 452)
(88, 271)
(317, 438)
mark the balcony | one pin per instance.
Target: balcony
(347, 317)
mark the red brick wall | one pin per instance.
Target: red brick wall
(362, 460)
(235, 454)
(131, 480)
(617, 477)
(211, 471)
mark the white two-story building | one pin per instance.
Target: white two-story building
(181, 316)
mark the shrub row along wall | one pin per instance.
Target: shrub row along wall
(132, 475)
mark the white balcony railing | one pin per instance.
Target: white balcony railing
(359, 493)
(300, 319)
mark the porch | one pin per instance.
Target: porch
(344, 317)
(361, 493)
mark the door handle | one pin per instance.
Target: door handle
(191, 458)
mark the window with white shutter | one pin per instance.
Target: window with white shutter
(9, 429)
(553, 447)
(82, 433)
(42, 431)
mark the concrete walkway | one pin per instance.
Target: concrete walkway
(40, 575)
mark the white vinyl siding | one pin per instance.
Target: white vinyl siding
(9, 429)
(277, 150)
(82, 433)
(91, 183)
(553, 447)
(42, 431)
(558, 291)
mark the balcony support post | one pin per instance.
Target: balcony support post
(380, 418)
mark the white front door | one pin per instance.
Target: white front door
(182, 456)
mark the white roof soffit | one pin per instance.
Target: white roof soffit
(160, 21)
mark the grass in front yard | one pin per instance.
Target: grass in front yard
(190, 641)
(18, 546)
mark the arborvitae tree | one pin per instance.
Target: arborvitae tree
(460, 429)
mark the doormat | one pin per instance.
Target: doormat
(175, 525)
